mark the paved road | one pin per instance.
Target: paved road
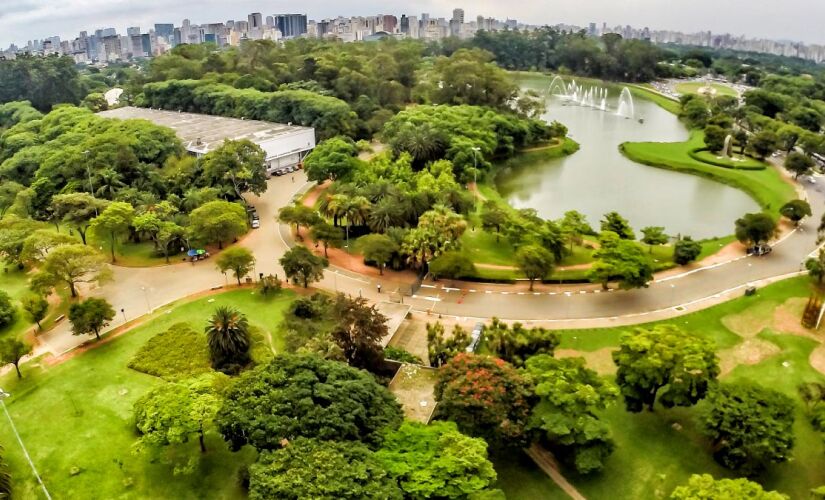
(137, 290)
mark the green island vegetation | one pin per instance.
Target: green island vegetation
(715, 89)
(207, 397)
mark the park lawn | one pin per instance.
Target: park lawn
(16, 283)
(646, 92)
(521, 479)
(662, 459)
(766, 186)
(693, 88)
(78, 414)
(735, 161)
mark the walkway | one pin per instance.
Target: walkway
(138, 290)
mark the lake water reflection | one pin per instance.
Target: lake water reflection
(598, 179)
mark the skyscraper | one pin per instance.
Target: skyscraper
(291, 25)
(458, 15)
(255, 21)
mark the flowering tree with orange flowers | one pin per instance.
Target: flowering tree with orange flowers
(487, 397)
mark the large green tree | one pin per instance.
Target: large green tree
(571, 396)
(359, 331)
(90, 316)
(78, 210)
(705, 487)
(305, 396)
(749, 426)
(302, 266)
(535, 262)
(664, 364)
(795, 210)
(173, 412)
(217, 222)
(331, 159)
(436, 461)
(113, 223)
(7, 309)
(309, 468)
(753, 229)
(235, 167)
(442, 348)
(378, 248)
(72, 265)
(614, 222)
(12, 350)
(487, 397)
(328, 235)
(239, 260)
(622, 260)
(798, 164)
(686, 250)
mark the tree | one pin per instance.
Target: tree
(237, 259)
(816, 267)
(614, 222)
(570, 398)
(96, 102)
(7, 309)
(305, 396)
(359, 331)
(665, 363)
(486, 397)
(113, 223)
(574, 226)
(493, 217)
(749, 426)
(535, 262)
(705, 487)
(515, 345)
(452, 265)
(795, 210)
(798, 164)
(440, 349)
(90, 316)
(227, 334)
(37, 245)
(309, 468)
(300, 265)
(764, 143)
(378, 248)
(12, 350)
(622, 260)
(327, 234)
(715, 137)
(654, 235)
(37, 307)
(173, 412)
(436, 461)
(8, 195)
(754, 229)
(72, 264)
(235, 167)
(217, 221)
(167, 234)
(300, 215)
(331, 159)
(685, 250)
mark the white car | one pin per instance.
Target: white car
(256, 223)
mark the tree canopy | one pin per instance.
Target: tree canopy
(294, 396)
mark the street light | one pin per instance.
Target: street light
(3, 396)
(146, 296)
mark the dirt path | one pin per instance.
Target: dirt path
(545, 460)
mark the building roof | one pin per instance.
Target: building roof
(203, 133)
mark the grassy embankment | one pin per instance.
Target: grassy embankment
(759, 340)
(76, 417)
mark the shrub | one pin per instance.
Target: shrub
(179, 352)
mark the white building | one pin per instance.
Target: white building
(284, 145)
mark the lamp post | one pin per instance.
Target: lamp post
(3, 396)
(146, 296)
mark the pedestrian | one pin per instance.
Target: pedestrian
(293, 179)
(379, 287)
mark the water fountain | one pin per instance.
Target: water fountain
(727, 148)
(626, 106)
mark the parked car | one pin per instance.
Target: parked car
(256, 223)
(475, 337)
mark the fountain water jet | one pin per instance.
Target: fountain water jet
(626, 106)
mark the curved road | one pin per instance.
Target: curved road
(139, 290)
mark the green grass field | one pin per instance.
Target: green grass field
(737, 161)
(15, 283)
(693, 88)
(78, 414)
(658, 456)
(766, 186)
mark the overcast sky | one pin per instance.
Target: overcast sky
(802, 20)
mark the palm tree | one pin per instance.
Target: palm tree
(356, 209)
(385, 214)
(108, 183)
(228, 337)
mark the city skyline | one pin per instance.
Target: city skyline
(24, 20)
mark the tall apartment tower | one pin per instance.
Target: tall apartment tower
(291, 25)
(458, 15)
(255, 21)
